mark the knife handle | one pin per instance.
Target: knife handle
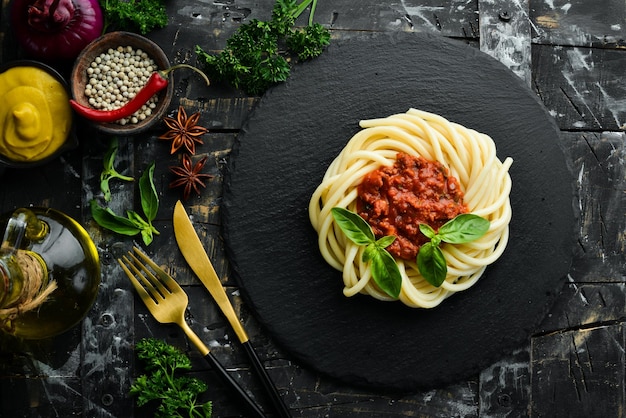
(227, 378)
(268, 385)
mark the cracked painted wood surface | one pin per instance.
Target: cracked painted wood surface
(571, 53)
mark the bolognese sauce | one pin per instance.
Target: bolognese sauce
(395, 199)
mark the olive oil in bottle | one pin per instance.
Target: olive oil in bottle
(49, 273)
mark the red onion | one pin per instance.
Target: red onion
(56, 30)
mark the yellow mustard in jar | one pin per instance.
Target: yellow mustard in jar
(35, 115)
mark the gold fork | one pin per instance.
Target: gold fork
(167, 302)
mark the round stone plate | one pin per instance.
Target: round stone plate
(294, 133)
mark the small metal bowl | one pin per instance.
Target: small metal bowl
(79, 78)
(71, 140)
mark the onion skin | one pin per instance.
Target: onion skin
(56, 30)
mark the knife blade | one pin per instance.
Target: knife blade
(194, 253)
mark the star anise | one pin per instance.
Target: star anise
(184, 131)
(189, 175)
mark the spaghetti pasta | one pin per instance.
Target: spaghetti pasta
(469, 156)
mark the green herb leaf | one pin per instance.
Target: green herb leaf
(176, 395)
(309, 42)
(385, 242)
(464, 228)
(252, 59)
(355, 227)
(369, 252)
(109, 172)
(137, 219)
(133, 223)
(147, 234)
(140, 16)
(432, 264)
(427, 230)
(149, 196)
(386, 273)
(106, 218)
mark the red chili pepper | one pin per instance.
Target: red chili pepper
(157, 82)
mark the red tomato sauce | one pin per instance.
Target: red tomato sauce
(395, 200)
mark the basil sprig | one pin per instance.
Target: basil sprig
(430, 259)
(109, 172)
(463, 228)
(133, 223)
(385, 271)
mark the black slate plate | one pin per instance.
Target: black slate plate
(281, 156)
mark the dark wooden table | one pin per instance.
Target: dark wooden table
(571, 54)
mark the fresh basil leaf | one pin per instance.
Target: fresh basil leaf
(386, 273)
(149, 196)
(432, 264)
(369, 252)
(137, 219)
(355, 227)
(464, 228)
(427, 230)
(146, 236)
(147, 230)
(385, 242)
(108, 171)
(109, 158)
(106, 218)
(104, 187)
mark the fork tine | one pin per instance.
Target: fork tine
(167, 302)
(146, 259)
(154, 283)
(163, 277)
(141, 290)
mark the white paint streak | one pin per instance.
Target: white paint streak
(58, 377)
(615, 106)
(69, 169)
(463, 409)
(509, 42)
(569, 77)
(581, 175)
(419, 12)
(582, 296)
(580, 61)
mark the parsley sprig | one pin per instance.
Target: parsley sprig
(175, 394)
(431, 262)
(140, 16)
(259, 53)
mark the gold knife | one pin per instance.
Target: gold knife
(193, 251)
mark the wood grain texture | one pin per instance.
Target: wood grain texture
(580, 370)
(505, 386)
(581, 87)
(573, 366)
(597, 23)
(505, 34)
(107, 343)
